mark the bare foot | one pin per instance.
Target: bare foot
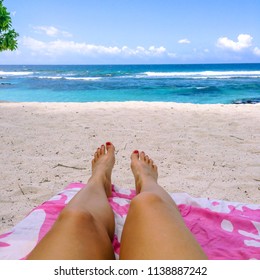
(144, 170)
(102, 165)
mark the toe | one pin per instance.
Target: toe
(135, 155)
(102, 150)
(110, 147)
(142, 156)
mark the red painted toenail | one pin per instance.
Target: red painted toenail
(108, 143)
(135, 152)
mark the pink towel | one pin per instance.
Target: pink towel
(225, 230)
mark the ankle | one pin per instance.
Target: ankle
(100, 184)
(146, 184)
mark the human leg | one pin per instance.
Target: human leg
(154, 228)
(85, 227)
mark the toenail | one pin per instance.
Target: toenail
(108, 143)
(135, 152)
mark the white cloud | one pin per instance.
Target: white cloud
(184, 41)
(156, 51)
(141, 51)
(256, 51)
(62, 47)
(244, 41)
(51, 31)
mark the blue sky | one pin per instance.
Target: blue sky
(134, 31)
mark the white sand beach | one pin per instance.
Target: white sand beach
(205, 150)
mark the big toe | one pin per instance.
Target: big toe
(110, 147)
(135, 155)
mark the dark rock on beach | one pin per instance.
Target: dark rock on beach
(247, 101)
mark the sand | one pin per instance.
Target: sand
(205, 150)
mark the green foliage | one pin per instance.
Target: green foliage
(7, 34)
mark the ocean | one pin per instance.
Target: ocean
(198, 84)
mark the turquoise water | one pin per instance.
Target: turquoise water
(200, 84)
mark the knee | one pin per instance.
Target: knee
(77, 217)
(146, 200)
(81, 221)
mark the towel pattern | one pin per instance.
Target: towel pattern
(225, 230)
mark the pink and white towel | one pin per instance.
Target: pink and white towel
(225, 230)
